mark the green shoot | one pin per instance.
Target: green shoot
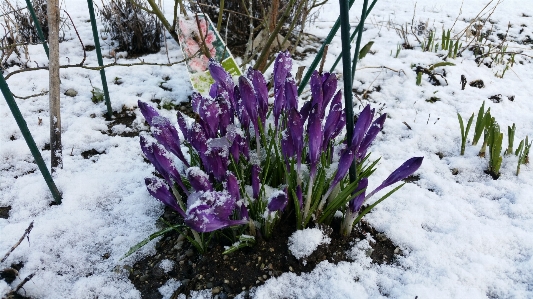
(510, 131)
(464, 133)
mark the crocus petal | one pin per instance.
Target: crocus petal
(296, 130)
(332, 119)
(225, 114)
(277, 201)
(329, 87)
(345, 161)
(291, 93)
(242, 115)
(221, 77)
(279, 104)
(167, 167)
(306, 109)
(282, 67)
(249, 100)
(356, 203)
(198, 179)
(198, 139)
(202, 219)
(161, 192)
(287, 144)
(255, 181)
(405, 170)
(261, 91)
(167, 135)
(183, 126)
(233, 186)
(375, 128)
(148, 111)
(317, 96)
(361, 127)
(314, 131)
(210, 112)
(196, 102)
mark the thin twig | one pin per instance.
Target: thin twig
(21, 284)
(94, 68)
(76, 30)
(26, 233)
(32, 96)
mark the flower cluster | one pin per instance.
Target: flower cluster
(248, 160)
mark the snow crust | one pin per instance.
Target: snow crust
(303, 243)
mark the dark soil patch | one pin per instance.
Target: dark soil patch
(125, 117)
(4, 212)
(89, 48)
(497, 98)
(231, 274)
(412, 179)
(477, 83)
(90, 153)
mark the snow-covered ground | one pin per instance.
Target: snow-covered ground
(469, 237)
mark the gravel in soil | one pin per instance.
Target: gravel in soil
(231, 274)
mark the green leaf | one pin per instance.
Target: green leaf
(365, 50)
(244, 241)
(145, 241)
(369, 208)
(439, 64)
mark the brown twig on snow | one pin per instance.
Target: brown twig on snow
(76, 30)
(20, 285)
(93, 68)
(26, 233)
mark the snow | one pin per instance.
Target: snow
(168, 289)
(461, 236)
(302, 243)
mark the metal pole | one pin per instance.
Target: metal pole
(359, 36)
(347, 76)
(359, 27)
(38, 26)
(328, 39)
(100, 60)
(29, 139)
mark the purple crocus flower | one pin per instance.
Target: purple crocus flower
(334, 117)
(198, 179)
(196, 102)
(314, 131)
(356, 203)
(210, 112)
(317, 94)
(242, 115)
(233, 189)
(282, 67)
(306, 109)
(277, 201)
(183, 126)
(261, 92)
(197, 138)
(166, 165)
(167, 135)
(291, 93)
(329, 87)
(405, 170)
(222, 78)
(371, 134)
(361, 127)
(210, 211)
(225, 113)
(148, 111)
(249, 101)
(161, 192)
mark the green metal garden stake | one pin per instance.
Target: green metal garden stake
(100, 60)
(328, 39)
(38, 26)
(29, 139)
(347, 76)
(364, 13)
(359, 27)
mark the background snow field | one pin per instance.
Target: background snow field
(462, 236)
